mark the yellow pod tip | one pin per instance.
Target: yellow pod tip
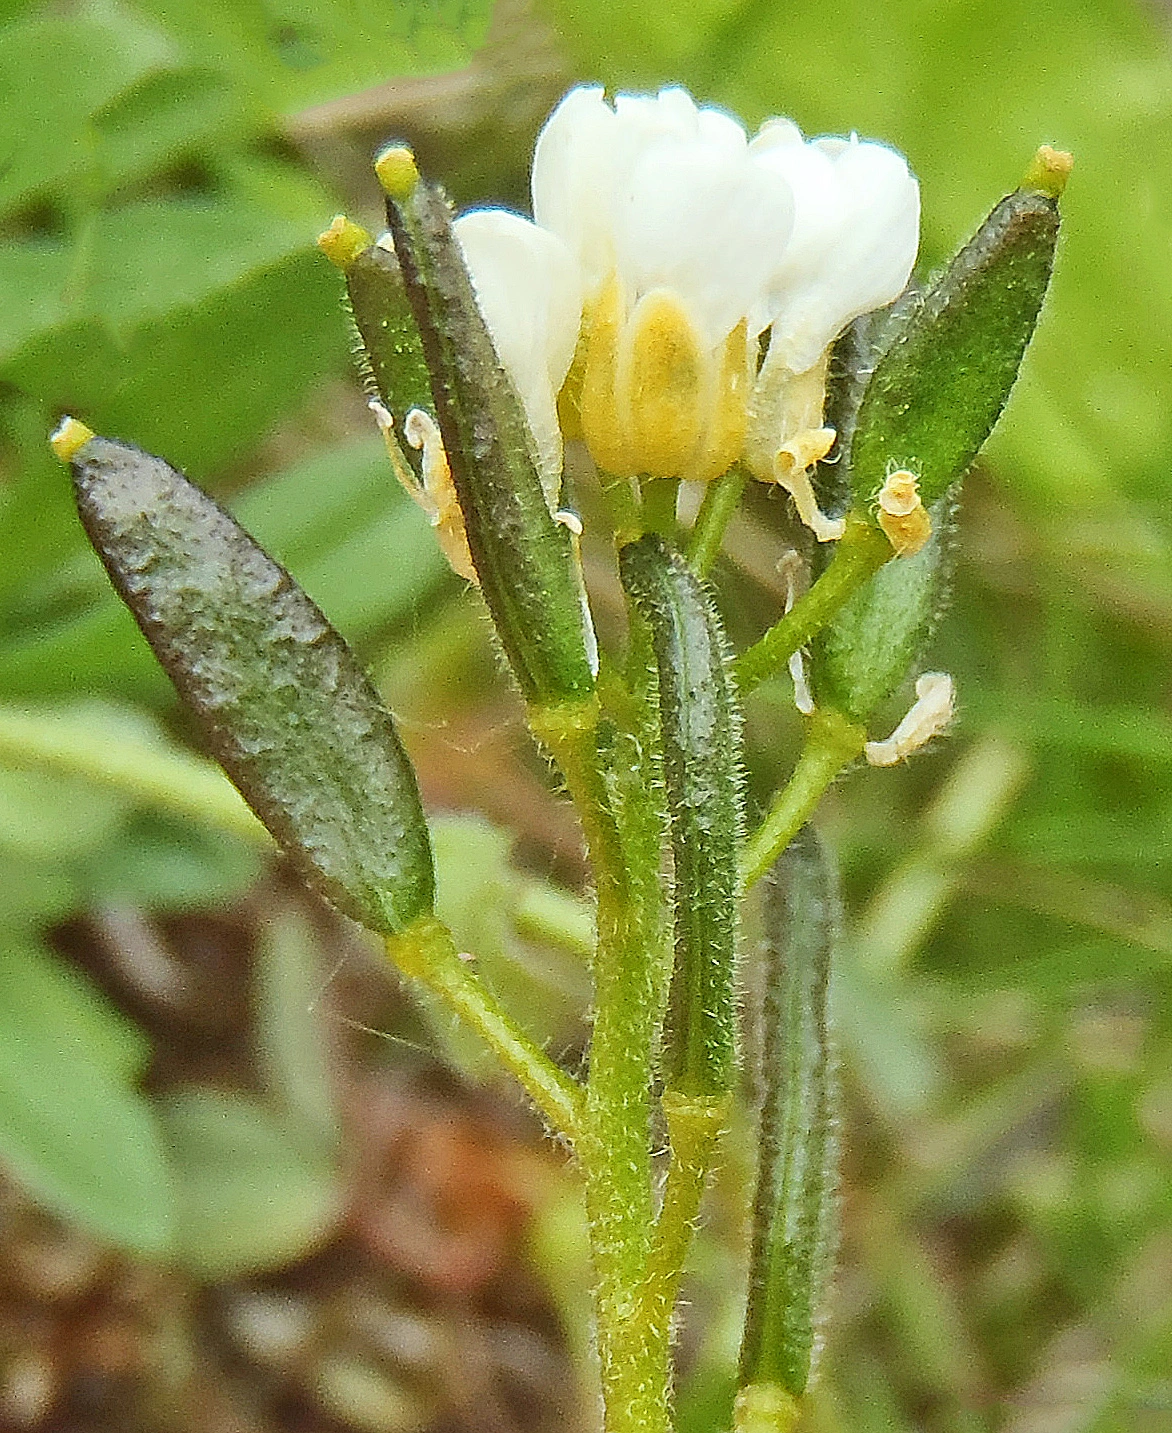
(396, 170)
(1049, 171)
(343, 241)
(68, 437)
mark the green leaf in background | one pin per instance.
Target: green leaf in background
(72, 1129)
(93, 58)
(357, 544)
(298, 52)
(248, 1196)
(293, 1038)
(481, 897)
(44, 818)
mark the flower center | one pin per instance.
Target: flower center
(648, 396)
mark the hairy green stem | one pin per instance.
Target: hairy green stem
(720, 502)
(832, 743)
(607, 774)
(695, 1123)
(426, 952)
(861, 552)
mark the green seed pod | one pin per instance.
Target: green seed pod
(942, 382)
(701, 734)
(524, 559)
(282, 702)
(794, 1212)
(860, 658)
(390, 340)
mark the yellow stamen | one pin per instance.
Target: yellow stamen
(343, 241)
(68, 437)
(605, 435)
(902, 515)
(663, 375)
(728, 420)
(397, 171)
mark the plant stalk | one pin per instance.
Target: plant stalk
(832, 743)
(861, 552)
(720, 502)
(426, 952)
(607, 774)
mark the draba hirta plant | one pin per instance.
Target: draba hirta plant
(693, 306)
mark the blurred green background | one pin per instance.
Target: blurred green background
(227, 1204)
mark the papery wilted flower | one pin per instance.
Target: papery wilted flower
(663, 244)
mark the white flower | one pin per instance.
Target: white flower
(673, 232)
(856, 232)
(663, 243)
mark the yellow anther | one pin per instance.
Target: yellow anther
(397, 171)
(902, 515)
(68, 437)
(343, 241)
(1049, 170)
(802, 451)
(605, 434)
(728, 420)
(661, 384)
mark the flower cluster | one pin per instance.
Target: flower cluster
(665, 244)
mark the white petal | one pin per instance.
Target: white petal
(573, 179)
(856, 231)
(528, 289)
(699, 218)
(588, 153)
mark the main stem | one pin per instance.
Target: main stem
(606, 773)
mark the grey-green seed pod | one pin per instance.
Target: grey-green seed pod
(282, 702)
(860, 658)
(701, 736)
(794, 1212)
(524, 559)
(943, 380)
